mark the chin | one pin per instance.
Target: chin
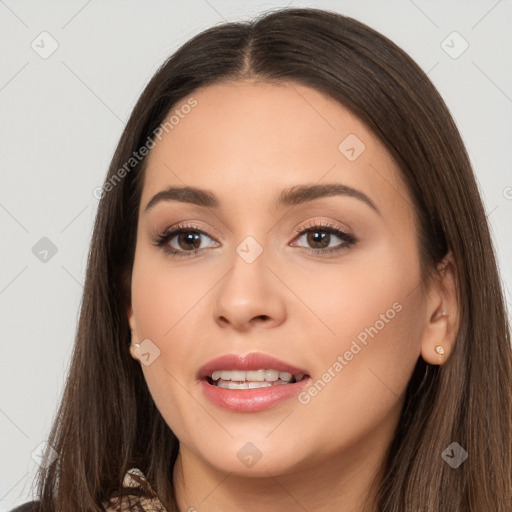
(255, 459)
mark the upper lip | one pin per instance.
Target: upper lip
(246, 362)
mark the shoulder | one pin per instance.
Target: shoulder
(133, 479)
(29, 506)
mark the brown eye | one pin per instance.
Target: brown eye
(318, 239)
(183, 241)
(186, 239)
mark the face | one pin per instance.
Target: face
(326, 282)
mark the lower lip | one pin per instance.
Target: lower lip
(252, 400)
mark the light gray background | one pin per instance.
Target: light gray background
(61, 118)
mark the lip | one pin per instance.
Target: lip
(250, 400)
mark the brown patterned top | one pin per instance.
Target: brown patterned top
(133, 503)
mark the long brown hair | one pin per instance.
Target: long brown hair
(107, 421)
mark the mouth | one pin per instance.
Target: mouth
(251, 368)
(251, 382)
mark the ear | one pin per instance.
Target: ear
(133, 329)
(442, 310)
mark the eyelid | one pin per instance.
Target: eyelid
(192, 226)
(184, 227)
(311, 224)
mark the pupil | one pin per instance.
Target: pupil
(190, 238)
(322, 237)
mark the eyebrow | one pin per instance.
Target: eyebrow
(289, 197)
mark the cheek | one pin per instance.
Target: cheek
(162, 298)
(366, 288)
(370, 379)
(166, 304)
(368, 340)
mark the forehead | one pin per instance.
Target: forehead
(247, 140)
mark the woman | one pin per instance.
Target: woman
(291, 300)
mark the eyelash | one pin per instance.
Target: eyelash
(163, 239)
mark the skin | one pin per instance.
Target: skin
(245, 142)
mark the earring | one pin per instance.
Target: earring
(133, 346)
(440, 351)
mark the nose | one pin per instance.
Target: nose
(249, 295)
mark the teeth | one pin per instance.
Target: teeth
(235, 375)
(245, 385)
(253, 379)
(271, 375)
(285, 376)
(254, 376)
